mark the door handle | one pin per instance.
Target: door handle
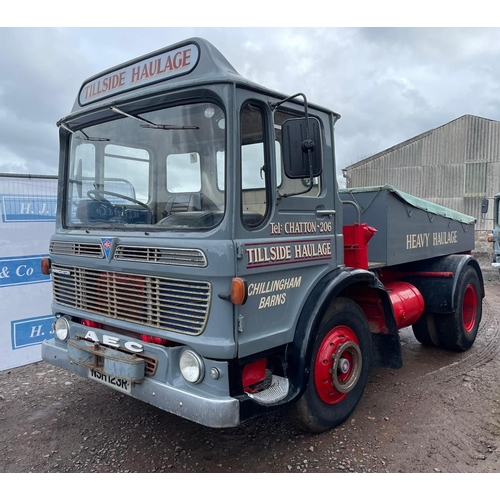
(325, 211)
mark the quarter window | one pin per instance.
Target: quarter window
(254, 171)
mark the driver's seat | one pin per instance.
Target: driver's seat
(186, 202)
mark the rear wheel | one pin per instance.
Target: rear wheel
(425, 330)
(339, 368)
(457, 331)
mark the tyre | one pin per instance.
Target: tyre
(457, 331)
(425, 330)
(339, 368)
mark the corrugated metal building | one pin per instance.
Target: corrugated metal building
(455, 165)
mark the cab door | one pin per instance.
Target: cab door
(284, 244)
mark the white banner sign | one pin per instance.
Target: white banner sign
(27, 220)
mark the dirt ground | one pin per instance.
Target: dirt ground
(439, 413)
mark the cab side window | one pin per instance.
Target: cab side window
(254, 175)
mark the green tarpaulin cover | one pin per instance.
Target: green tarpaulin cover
(428, 206)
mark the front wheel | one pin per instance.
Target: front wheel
(339, 368)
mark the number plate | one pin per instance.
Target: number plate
(115, 382)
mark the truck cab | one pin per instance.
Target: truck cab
(198, 261)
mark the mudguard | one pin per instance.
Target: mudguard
(331, 286)
(438, 285)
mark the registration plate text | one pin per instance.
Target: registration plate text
(111, 381)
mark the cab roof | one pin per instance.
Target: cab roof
(193, 61)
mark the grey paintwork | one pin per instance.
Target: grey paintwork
(231, 331)
(205, 403)
(212, 68)
(282, 261)
(405, 233)
(218, 338)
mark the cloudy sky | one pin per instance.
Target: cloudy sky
(389, 84)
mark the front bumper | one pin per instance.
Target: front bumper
(209, 410)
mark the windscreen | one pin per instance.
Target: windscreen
(163, 168)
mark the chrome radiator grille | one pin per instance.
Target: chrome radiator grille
(80, 249)
(169, 304)
(173, 256)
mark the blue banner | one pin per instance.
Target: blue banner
(31, 331)
(28, 208)
(22, 270)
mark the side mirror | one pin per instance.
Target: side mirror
(300, 143)
(484, 206)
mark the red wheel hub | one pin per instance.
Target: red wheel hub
(469, 308)
(338, 365)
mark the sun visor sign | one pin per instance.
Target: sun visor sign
(161, 66)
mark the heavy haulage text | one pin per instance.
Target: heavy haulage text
(423, 240)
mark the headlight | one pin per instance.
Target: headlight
(192, 367)
(61, 328)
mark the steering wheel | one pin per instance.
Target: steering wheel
(95, 194)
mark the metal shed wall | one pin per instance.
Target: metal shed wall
(455, 165)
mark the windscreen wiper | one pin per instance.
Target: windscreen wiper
(149, 124)
(85, 138)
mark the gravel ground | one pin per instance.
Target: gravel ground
(439, 413)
